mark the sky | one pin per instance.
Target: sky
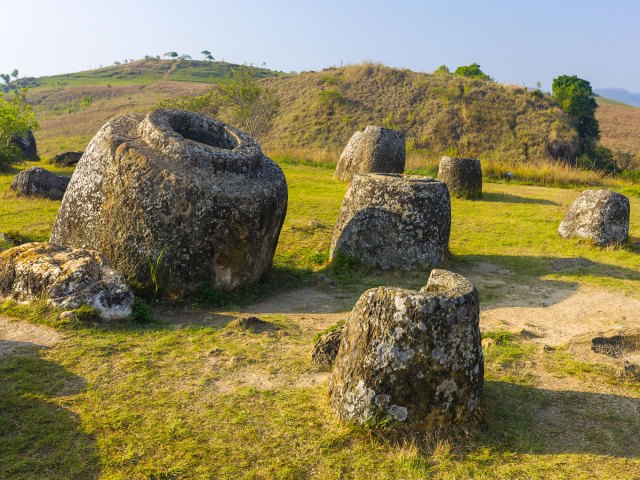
(515, 42)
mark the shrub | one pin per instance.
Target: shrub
(16, 119)
(472, 71)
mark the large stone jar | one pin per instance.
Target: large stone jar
(390, 221)
(176, 196)
(411, 357)
(463, 176)
(374, 150)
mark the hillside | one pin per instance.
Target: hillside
(620, 95)
(619, 126)
(438, 112)
(72, 107)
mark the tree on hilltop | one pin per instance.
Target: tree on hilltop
(472, 71)
(207, 55)
(575, 96)
(442, 69)
(170, 54)
(15, 73)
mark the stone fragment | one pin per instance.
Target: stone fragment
(463, 176)
(27, 146)
(412, 357)
(390, 221)
(38, 182)
(66, 159)
(375, 150)
(176, 196)
(326, 348)
(66, 277)
(598, 215)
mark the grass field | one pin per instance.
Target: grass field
(195, 396)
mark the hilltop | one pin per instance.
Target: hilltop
(619, 126)
(620, 95)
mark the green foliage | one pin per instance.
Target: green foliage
(442, 69)
(472, 71)
(330, 96)
(154, 266)
(16, 119)
(140, 312)
(575, 97)
(599, 158)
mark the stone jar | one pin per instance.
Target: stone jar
(375, 150)
(411, 357)
(176, 196)
(392, 221)
(463, 176)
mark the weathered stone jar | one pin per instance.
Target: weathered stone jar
(463, 176)
(38, 182)
(598, 215)
(392, 221)
(177, 194)
(374, 150)
(411, 357)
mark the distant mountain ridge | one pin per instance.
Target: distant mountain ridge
(620, 94)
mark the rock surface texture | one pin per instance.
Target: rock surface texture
(179, 194)
(326, 348)
(66, 159)
(598, 215)
(39, 182)
(411, 357)
(27, 146)
(65, 277)
(375, 150)
(463, 176)
(390, 221)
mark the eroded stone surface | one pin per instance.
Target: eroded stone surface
(180, 190)
(392, 221)
(463, 176)
(326, 348)
(413, 357)
(39, 182)
(374, 150)
(598, 215)
(65, 277)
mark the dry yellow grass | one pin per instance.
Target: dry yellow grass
(619, 127)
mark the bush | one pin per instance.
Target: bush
(600, 158)
(472, 71)
(16, 119)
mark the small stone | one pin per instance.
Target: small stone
(27, 146)
(562, 264)
(254, 325)
(463, 176)
(66, 277)
(38, 182)
(326, 348)
(315, 224)
(66, 159)
(375, 150)
(68, 316)
(598, 215)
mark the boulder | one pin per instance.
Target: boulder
(326, 348)
(375, 150)
(66, 277)
(27, 146)
(463, 176)
(598, 215)
(177, 199)
(390, 221)
(411, 357)
(66, 159)
(39, 182)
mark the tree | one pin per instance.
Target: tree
(442, 69)
(170, 54)
(5, 77)
(15, 73)
(472, 71)
(185, 57)
(16, 119)
(207, 55)
(575, 97)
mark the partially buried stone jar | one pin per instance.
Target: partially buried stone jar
(392, 221)
(411, 357)
(463, 176)
(177, 194)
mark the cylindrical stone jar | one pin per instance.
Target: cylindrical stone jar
(463, 176)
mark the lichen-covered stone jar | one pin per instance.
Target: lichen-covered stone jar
(176, 196)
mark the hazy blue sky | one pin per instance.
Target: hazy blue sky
(514, 41)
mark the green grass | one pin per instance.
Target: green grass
(206, 399)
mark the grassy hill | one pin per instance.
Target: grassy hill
(619, 126)
(438, 112)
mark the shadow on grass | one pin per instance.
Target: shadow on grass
(39, 439)
(517, 280)
(508, 198)
(533, 420)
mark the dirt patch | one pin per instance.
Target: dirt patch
(586, 310)
(304, 300)
(16, 335)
